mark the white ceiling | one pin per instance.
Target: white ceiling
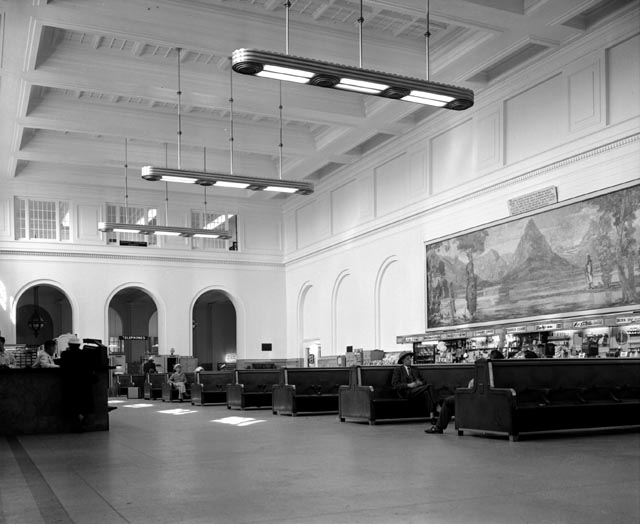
(79, 78)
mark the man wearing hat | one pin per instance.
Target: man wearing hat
(409, 383)
(149, 366)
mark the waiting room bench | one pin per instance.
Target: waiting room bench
(370, 396)
(170, 393)
(252, 388)
(153, 385)
(210, 387)
(308, 390)
(515, 397)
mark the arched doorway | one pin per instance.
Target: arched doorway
(133, 326)
(214, 329)
(43, 312)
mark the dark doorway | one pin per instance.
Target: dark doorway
(43, 312)
(214, 329)
(133, 327)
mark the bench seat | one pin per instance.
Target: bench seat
(252, 388)
(210, 387)
(516, 397)
(308, 390)
(370, 397)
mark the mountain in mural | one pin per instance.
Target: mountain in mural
(535, 259)
(490, 266)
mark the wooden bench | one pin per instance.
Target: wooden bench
(122, 383)
(252, 388)
(170, 393)
(210, 387)
(515, 397)
(370, 397)
(153, 385)
(308, 390)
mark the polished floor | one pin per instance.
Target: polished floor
(175, 463)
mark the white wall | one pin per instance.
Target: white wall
(572, 123)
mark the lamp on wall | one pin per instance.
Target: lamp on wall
(230, 180)
(326, 74)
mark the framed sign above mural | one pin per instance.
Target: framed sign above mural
(578, 257)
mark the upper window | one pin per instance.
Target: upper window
(131, 215)
(42, 220)
(213, 221)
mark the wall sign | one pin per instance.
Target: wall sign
(531, 201)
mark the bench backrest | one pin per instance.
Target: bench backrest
(445, 378)
(124, 380)
(156, 379)
(378, 377)
(138, 380)
(257, 380)
(213, 379)
(318, 381)
(521, 374)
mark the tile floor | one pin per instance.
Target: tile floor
(175, 463)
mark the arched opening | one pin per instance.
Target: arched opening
(43, 312)
(214, 329)
(133, 327)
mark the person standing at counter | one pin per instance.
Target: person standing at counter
(44, 358)
(408, 382)
(7, 360)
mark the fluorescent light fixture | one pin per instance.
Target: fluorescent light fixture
(336, 76)
(202, 178)
(236, 185)
(281, 189)
(108, 227)
(178, 180)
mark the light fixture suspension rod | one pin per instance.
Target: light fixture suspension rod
(360, 22)
(126, 182)
(166, 203)
(230, 118)
(179, 114)
(287, 6)
(204, 212)
(281, 144)
(426, 38)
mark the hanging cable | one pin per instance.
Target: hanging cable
(126, 183)
(426, 38)
(179, 113)
(280, 145)
(230, 117)
(204, 211)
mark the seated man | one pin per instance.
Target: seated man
(409, 384)
(178, 380)
(44, 358)
(7, 360)
(448, 410)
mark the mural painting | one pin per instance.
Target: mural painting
(580, 257)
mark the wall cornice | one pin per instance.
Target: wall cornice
(19, 253)
(393, 222)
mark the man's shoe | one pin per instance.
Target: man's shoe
(433, 429)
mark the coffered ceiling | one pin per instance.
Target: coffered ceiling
(82, 78)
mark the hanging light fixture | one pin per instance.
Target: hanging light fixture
(230, 180)
(326, 74)
(36, 322)
(148, 229)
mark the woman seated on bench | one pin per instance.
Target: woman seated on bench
(178, 380)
